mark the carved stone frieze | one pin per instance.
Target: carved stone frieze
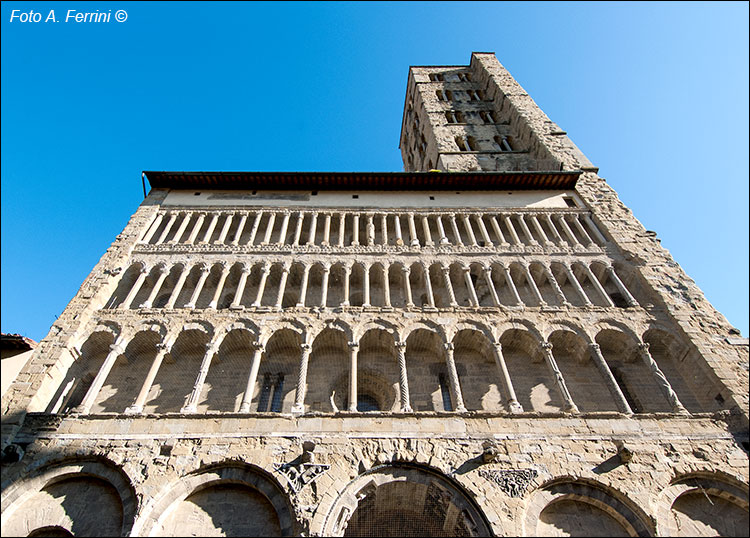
(513, 482)
(299, 475)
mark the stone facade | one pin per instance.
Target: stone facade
(460, 360)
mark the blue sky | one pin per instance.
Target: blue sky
(655, 94)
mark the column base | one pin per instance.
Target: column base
(134, 410)
(189, 409)
(298, 409)
(515, 407)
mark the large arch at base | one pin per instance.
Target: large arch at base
(404, 500)
(226, 499)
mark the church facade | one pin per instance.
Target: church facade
(488, 343)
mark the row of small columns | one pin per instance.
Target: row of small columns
(369, 240)
(514, 406)
(486, 273)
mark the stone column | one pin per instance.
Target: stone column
(347, 273)
(355, 230)
(313, 228)
(342, 229)
(366, 284)
(470, 286)
(327, 230)
(298, 229)
(620, 286)
(198, 287)
(413, 231)
(284, 227)
(237, 301)
(555, 233)
(513, 405)
(225, 229)
(592, 226)
(428, 285)
(511, 285)
(526, 230)
(161, 268)
(142, 274)
(483, 231)
(140, 400)
(571, 236)
(661, 379)
(427, 235)
(324, 285)
(403, 383)
(469, 230)
(196, 228)
(553, 281)
(532, 285)
(370, 227)
(498, 231)
(254, 229)
(386, 287)
(384, 225)
(453, 375)
(181, 229)
(269, 229)
(454, 227)
(512, 230)
(299, 397)
(240, 228)
(115, 350)
(441, 229)
(152, 229)
(211, 227)
(178, 287)
(397, 226)
(538, 227)
(220, 286)
(167, 228)
(570, 406)
(582, 230)
(448, 285)
(262, 285)
(407, 286)
(598, 285)
(577, 285)
(303, 286)
(192, 404)
(487, 272)
(282, 285)
(609, 379)
(247, 398)
(353, 351)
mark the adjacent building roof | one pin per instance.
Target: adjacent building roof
(16, 342)
(381, 181)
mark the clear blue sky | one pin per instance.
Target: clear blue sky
(654, 94)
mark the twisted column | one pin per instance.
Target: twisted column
(386, 287)
(555, 285)
(661, 380)
(403, 383)
(449, 286)
(299, 397)
(192, 404)
(609, 379)
(570, 406)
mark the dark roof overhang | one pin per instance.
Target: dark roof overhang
(362, 181)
